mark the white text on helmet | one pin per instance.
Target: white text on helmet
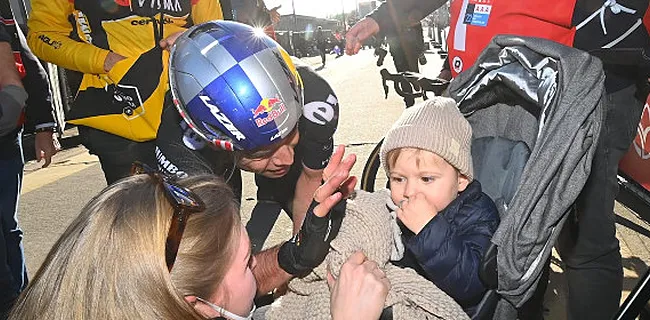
(272, 115)
(279, 134)
(223, 119)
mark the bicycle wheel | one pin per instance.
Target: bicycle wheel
(373, 176)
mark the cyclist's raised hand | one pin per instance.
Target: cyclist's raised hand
(308, 248)
(360, 32)
(338, 183)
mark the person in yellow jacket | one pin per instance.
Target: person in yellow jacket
(119, 46)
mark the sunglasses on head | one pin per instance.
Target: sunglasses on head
(182, 200)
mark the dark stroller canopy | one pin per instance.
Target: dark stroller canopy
(547, 99)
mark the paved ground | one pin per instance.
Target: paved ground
(52, 197)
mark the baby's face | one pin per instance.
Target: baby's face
(419, 171)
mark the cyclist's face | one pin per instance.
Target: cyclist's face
(418, 171)
(273, 162)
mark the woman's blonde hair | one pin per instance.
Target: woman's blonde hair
(110, 262)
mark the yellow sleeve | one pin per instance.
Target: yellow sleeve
(206, 10)
(48, 38)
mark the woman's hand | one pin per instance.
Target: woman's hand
(360, 290)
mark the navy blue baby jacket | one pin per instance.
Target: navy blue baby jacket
(449, 249)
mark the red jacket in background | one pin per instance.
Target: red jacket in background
(482, 19)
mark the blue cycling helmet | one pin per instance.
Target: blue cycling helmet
(234, 86)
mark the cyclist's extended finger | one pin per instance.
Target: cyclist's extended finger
(341, 172)
(326, 205)
(334, 162)
(350, 39)
(335, 175)
(353, 42)
(349, 45)
(347, 187)
(347, 163)
(331, 186)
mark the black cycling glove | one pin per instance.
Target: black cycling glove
(307, 249)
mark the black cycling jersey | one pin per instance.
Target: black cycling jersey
(179, 151)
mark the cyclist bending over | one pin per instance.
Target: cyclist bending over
(239, 105)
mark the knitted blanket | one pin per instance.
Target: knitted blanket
(368, 227)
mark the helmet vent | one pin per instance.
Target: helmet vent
(206, 27)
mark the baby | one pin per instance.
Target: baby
(450, 221)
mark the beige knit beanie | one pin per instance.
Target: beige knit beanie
(437, 126)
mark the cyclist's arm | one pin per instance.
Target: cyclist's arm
(308, 181)
(267, 271)
(206, 10)
(48, 38)
(308, 249)
(317, 127)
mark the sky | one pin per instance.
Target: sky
(316, 8)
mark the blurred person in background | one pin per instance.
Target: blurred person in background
(119, 47)
(29, 110)
(321, 43)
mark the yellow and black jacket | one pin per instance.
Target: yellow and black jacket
(79, 34)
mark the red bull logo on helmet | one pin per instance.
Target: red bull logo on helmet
(268, 110)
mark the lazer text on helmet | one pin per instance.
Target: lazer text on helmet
(222, 118)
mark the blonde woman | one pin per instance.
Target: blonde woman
(123, 258)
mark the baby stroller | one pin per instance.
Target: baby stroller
(535, 107)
